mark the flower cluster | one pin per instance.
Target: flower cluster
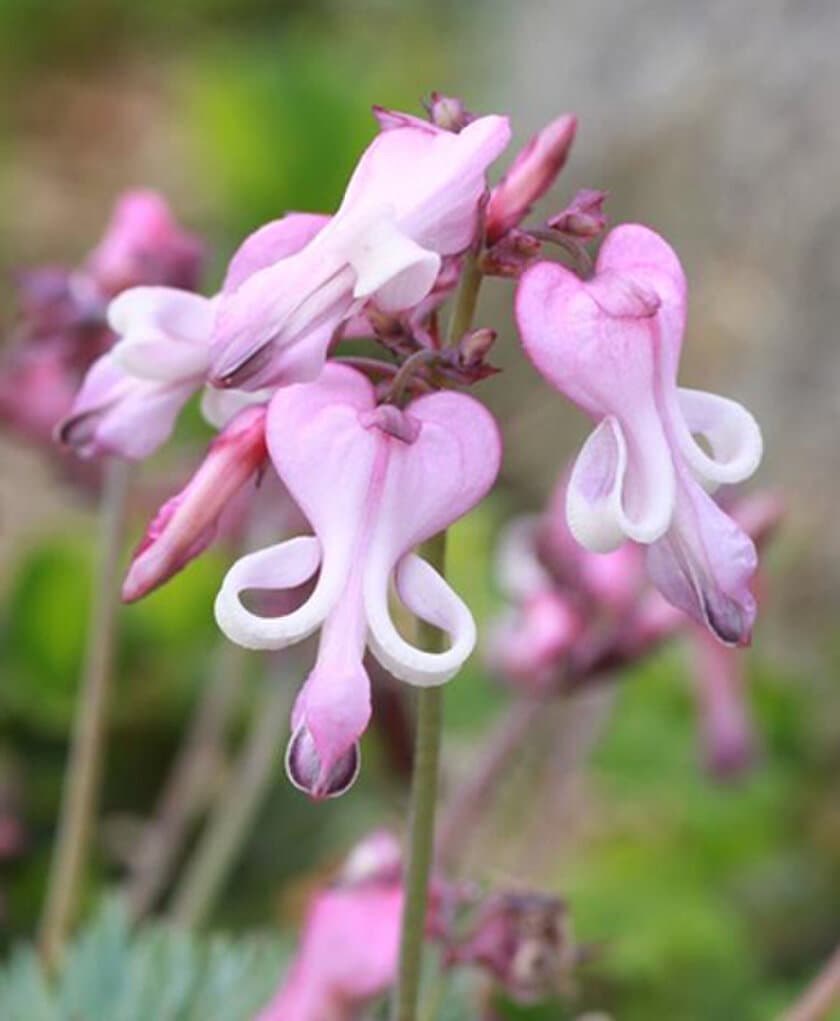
(381, 455)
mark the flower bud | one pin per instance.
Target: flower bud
(448, 112)
(186, 525)
(475, 346)
(512, 255)
(530, 176)
(524, 941)
(583, 217)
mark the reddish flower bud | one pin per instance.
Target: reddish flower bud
(512, 255)
(448, 112)
(525, 942)
(186, 525)
(530, 176)
(583, 217)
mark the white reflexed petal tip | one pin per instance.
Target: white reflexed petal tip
(390, 267)
(283, 566)
(428, 596)
(732, 433)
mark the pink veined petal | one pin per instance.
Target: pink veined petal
(430, 483)
(733, 435)
(704, 565)
(430, 597)
(284, 566)
(636, 251)
(277, 325)
(271, 243)
(621, 486)
(599, 342)
(115, 413)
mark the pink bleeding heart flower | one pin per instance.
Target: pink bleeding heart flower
(374, 483)
(611, 344)
(413, 200)
(132, 395)
(187, 523)
(530, 176)
(350, 943)
(144, 244)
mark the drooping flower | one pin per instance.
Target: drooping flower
(530, 176)
(611, 344)
(374, 483)
(187, 523)
(350, 942)
(412, 201)
(132, 396)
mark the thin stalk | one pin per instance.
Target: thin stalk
(820, 996)
(466, 301)
(421, 840)
(424, 787)
(82, 780)
(189, 786)
(234, 813)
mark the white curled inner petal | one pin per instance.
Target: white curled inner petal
(732, 433)
(283, 566)
(427, 595)
(622, 485)
(593, 495)
(391, 268)
(161, 359)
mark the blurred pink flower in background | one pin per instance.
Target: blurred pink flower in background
(347, 955)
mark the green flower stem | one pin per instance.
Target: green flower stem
(422, 823)
(80, 795)
(233, 815)
(424, 788)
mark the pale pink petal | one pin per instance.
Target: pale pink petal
(731, 431)
(271, 243)
(333, 708)
(164, 333)
(528, 644)
(115, 413)
(218, 407)
(704, 565)
(431, 179)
